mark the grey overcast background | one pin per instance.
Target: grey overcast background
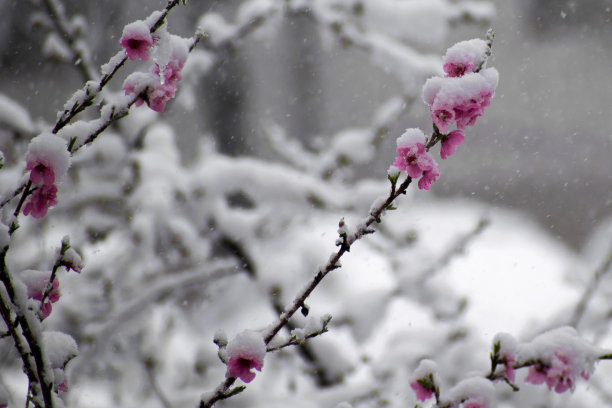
(544, 145)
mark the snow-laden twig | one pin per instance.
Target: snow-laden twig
(224, 390)
(590, 289)
(93, 88)
(39, 373)
(69, 33)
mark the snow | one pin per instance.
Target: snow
(454, 90)
(410, 137)
(59, 348)
(425, 368)
(471, 388)
(15, 116)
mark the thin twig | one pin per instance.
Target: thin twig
(590, 290)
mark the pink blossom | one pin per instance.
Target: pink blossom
(413, 158)
(172, 71)
(509, 359)
(422, 393)
(457, 69)
(36, 283)
(137, 40)
(450, 142)
(558, 373)
(47, 159)
(150, 89)
(245, 352)
(443, 117)
(476, 402)
(40, 201)
(160, 95)
(424, 379)
(464, 57)
(429, 177)
(63, 386)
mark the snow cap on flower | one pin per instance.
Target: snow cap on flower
(36, 283)
(561, 357)
(47, 159)
(424, 380)
(44, 197)
(245, 352)
(464, 57)
(137, 40)
(59, 347)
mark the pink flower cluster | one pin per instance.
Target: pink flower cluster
(159, 85)
(47, 160)
(37, 283)
(245, 352)
(460, 100)
(461, 96)
(558, 358)
(414, 159)
(559, 372)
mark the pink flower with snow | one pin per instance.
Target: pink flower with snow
(423, 380)
(137, 40)
(464, 57)
(413, 158)
(458, 68)
(47, 159)
(476, 402)
(245, 352)
(561, 357)
(450, 142)
(460, 100)
(37, 283)
(558, 374)
(508, 359)
(422, 393)
(40, 201)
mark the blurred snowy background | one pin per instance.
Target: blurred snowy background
(165, 206)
